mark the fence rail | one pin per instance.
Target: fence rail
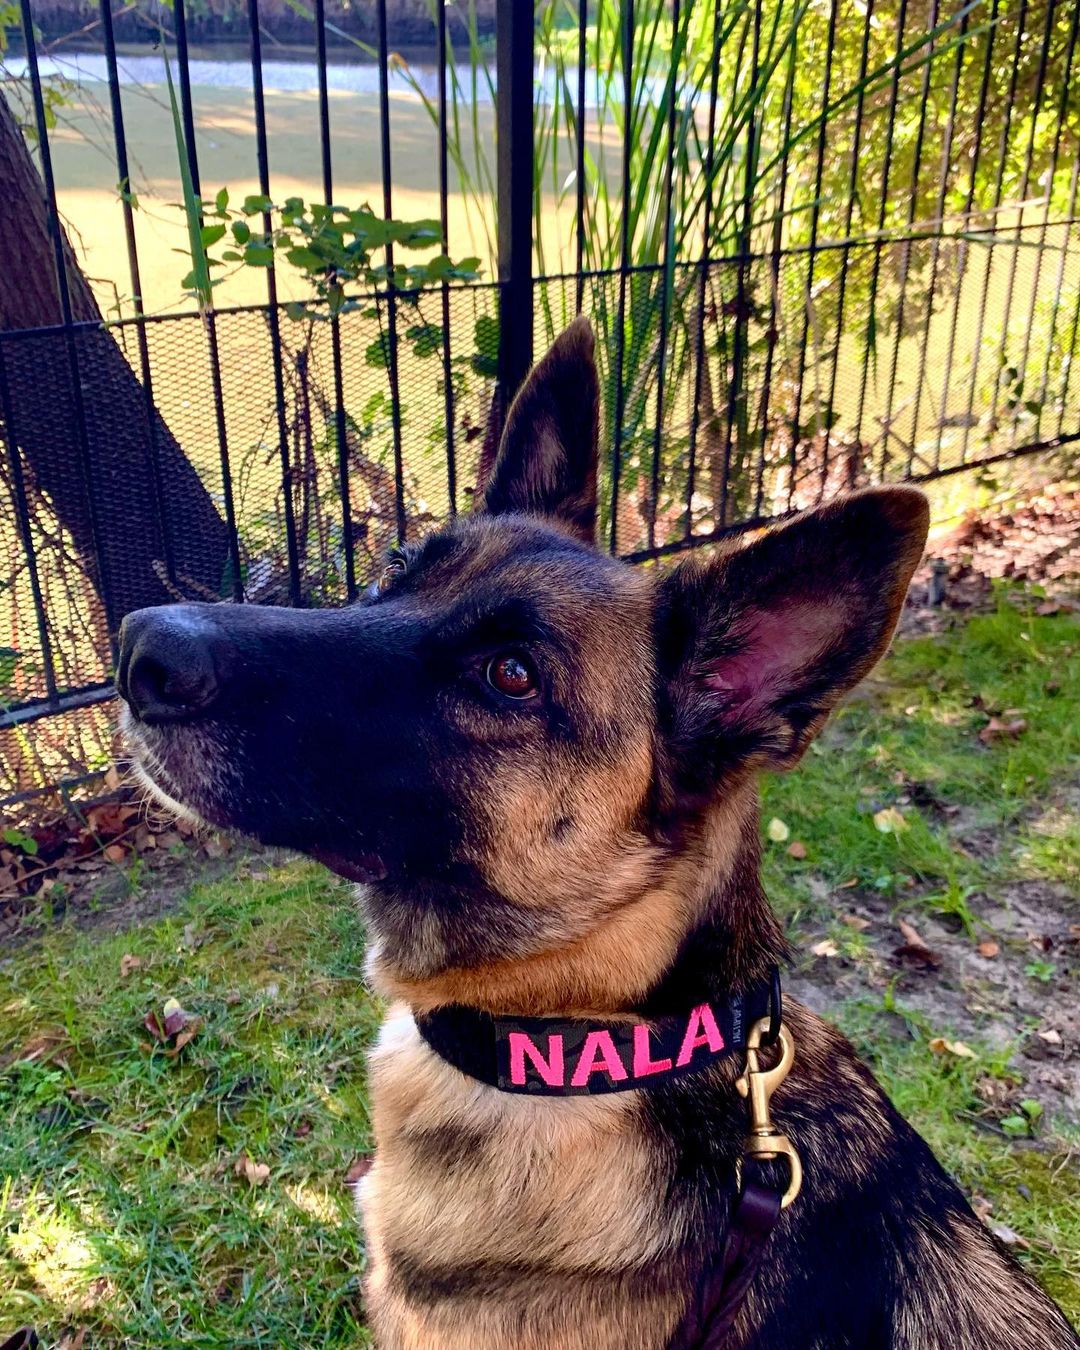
(821, 245)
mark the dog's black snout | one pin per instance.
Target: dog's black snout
(170, 663)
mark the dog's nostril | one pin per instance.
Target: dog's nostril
(167, 670)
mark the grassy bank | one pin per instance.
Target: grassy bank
(201, 1200)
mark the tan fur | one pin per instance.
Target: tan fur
(563, 1188)
(592, 973)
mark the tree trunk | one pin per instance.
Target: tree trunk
(128, 527)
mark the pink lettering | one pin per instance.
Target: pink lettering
(598, 1053)
(644, 1064)
(552, 1070)
(700, 1030)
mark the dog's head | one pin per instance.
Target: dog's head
(514, 739)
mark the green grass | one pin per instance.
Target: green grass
(1034, 1188)
(120, 1206)
(909, 740)
(121, 1209)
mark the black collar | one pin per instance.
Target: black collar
(555, 1057)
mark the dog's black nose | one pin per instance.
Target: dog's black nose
(168, 669)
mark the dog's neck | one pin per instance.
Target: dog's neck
(702, 929)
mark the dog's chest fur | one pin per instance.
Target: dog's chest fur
(494, 1221)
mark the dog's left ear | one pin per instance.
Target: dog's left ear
(757, 645)
(546, 465)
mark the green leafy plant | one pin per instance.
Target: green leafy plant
(333, 247)
(1026, 1121)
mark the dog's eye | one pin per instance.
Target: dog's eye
(396, 566)
(513, 675)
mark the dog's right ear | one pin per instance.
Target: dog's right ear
(546, 465)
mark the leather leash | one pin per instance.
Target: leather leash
(26, 1338)
(757, 1207)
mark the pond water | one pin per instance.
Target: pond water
(229, 67)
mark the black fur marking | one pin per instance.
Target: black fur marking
(516, 1283)
(447, 1148)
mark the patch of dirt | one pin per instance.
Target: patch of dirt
(116, 896)
(1011, 984)
(1036, 541)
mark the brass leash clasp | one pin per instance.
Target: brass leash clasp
(757, 1085)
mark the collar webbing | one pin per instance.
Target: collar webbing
(556, 1057)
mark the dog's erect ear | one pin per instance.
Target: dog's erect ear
(546, 465)
(758, 644)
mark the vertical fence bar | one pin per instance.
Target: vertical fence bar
(273, 318)
(123, 172)
(26, 535)
(849, 214)
(391, 297)
(939, 226)
(965, 247)
(187, 116)
(1062, 117)
(1068, 364)
(999, 189)
(514, 153)
(894, 96)
(736, 390)
(665, 275)
(815, 220)
(1063, 256)
(1018, 233)
(579, 186)
(444, 225)
(776, 253)
(627, 30)
(341, 436)
(905, 268)
(71, 350)
(703, 271)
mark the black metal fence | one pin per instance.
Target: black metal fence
(822, 244)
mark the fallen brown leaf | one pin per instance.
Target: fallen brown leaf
(257, 1173)
(128, 963)
(185, 1037)
(116, 853)
(825, 948)
(890, 821)
(1049, 1035)
(48, 1047)
(940, 1046)
(998, 728)
(797, 849)
(911, 934)
(174, 1025)
(855, 921)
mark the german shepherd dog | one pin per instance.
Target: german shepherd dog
(540, 763)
